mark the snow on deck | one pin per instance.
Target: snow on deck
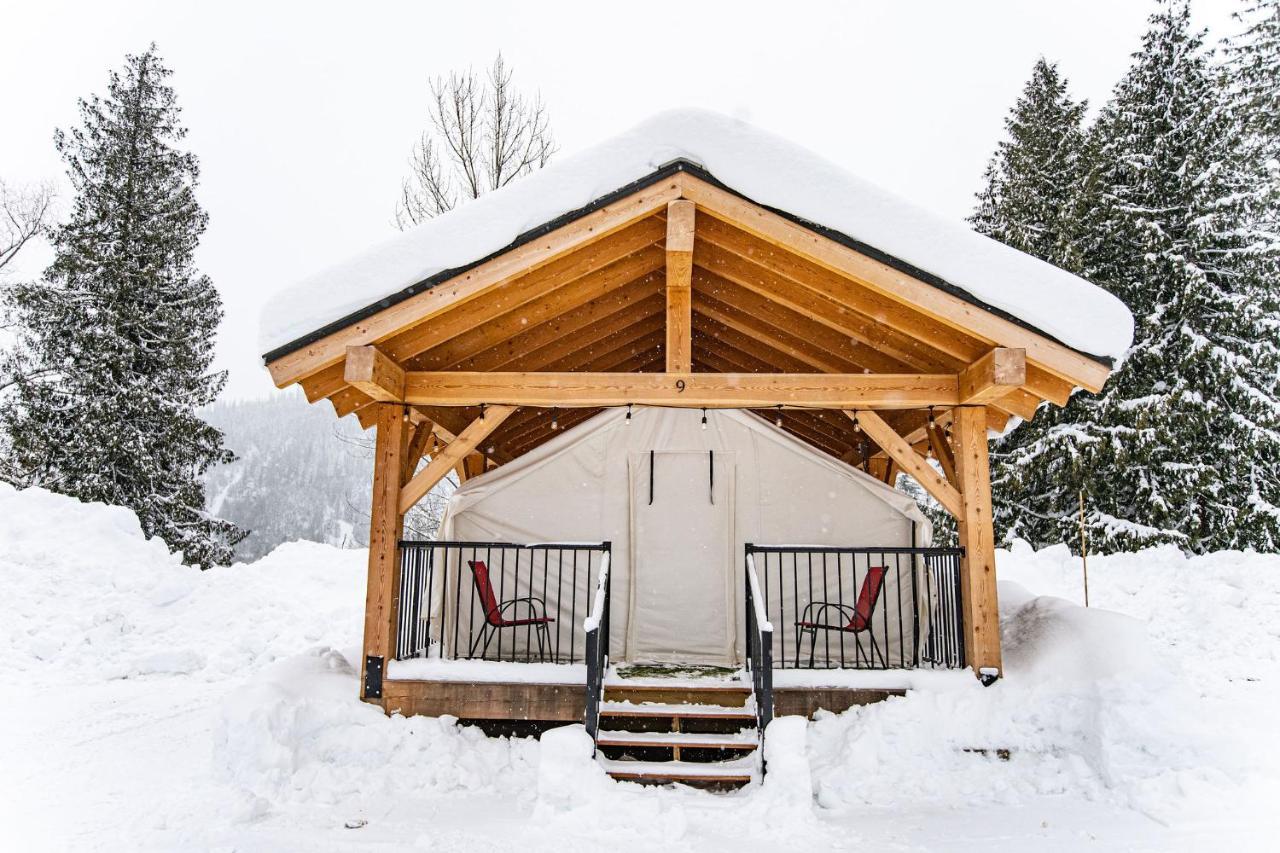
(488, 671)
(762, 166)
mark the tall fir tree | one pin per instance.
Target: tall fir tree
(116, 340)
(1176, 448)
(1028, 202)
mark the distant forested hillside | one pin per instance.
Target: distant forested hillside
(300, 474)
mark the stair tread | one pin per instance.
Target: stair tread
(683, 709)
(736, 770)
(738, 740)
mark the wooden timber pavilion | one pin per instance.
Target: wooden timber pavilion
(677, 290)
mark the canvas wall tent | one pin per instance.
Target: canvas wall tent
(678, 502)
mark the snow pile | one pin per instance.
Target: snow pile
(298, 733)
(568, 775)
(148, 696)
(767, 169)
(1121, 710)
(88, 596)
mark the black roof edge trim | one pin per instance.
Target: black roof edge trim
(663, 172)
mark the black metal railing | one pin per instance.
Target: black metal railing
(596, 627)
(759, 647)
(861, 608)
(496, 600)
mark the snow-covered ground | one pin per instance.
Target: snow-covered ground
(147, 706)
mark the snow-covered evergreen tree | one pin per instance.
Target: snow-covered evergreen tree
(1034, 174)
(1028, 202)
(118, 336)
(1181, 445)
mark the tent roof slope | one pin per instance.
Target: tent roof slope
(757, 165)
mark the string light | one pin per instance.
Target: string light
(482, 408)
(704, 418)
(628, 413)
(555, 423)
(931, 417)
(777, 421)
(857, 427)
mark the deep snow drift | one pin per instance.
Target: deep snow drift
(150, 706)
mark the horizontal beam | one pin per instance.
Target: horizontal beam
(993, 376)
(371, 371)
(683, 390)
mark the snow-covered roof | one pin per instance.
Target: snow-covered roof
(759, 165)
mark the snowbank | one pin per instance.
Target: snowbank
(1155, 702)
(88, 596)
(764, 167)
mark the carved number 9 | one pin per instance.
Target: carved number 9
(680, 386)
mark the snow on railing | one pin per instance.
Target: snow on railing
(597, 604)
(757, 598)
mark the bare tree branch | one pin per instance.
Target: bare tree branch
(484, 133)
(24, 214)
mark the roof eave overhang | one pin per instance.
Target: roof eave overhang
(662, 173)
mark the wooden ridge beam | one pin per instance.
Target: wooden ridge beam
(992, 377)
(453, 453)
(911, 462)
(684, 390)
(680, 225)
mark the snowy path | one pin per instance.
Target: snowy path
(150, 707)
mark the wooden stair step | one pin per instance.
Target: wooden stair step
(737, 770)
(720, 694)
(686, 710)
(746, 739)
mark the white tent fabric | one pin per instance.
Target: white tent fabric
(678, 501)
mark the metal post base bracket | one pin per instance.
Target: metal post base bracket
(373, 677)
(988, 675)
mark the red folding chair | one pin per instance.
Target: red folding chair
(494, 620)
(858, 616)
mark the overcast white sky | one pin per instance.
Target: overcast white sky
(303, 115)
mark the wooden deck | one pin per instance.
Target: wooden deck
(470, 700)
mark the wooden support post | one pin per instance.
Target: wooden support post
(912, 463)
(680, 215)
(384, 535)
(977, 537)
(454, 454)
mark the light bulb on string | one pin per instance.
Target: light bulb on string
(704, 418)
(555, 422)
(628, 413)
(777, 421)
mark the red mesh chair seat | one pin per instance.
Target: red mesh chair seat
(489, 601)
